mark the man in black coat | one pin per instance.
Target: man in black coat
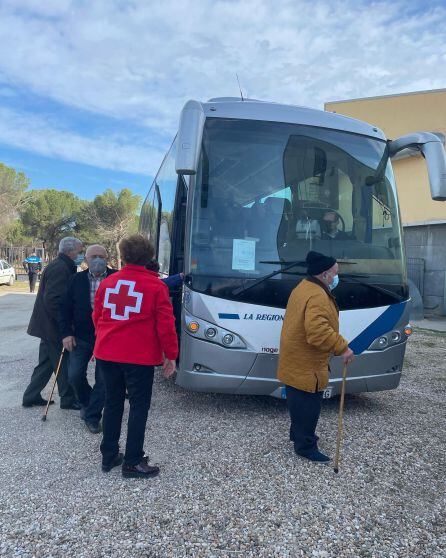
(44, 324)
(78, 335)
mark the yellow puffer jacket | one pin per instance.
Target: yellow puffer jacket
(310, 335)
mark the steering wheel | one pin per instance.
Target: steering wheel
(320, 206)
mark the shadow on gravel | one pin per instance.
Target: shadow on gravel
(358, 402)
(215, 403)
(221, 402)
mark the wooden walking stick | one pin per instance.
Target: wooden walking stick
(341, 413)
(56, 373)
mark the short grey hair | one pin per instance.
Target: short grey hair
(69, 244)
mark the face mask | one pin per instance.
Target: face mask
(334, 283)
(79, 259)
(97, 266)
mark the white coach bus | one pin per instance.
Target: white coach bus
(245, 191)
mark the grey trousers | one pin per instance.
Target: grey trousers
(49, 354)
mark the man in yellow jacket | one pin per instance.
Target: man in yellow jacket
(310, 336)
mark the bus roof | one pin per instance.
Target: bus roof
(252, 109)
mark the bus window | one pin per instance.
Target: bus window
(149, 219)
(166, 181)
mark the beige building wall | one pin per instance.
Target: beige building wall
(397, 115)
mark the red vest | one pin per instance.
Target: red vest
(133, 318)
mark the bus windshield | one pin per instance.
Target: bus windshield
(266, 193)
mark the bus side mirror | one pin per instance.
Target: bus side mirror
(431, 147)
(190, 134)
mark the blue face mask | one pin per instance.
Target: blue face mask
(97, 265)
(334, 283)
(79, 259)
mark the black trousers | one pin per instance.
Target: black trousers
(138, 380)
(49, 354)
(304, 408)
(32, 277)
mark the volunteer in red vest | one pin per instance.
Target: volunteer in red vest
(135, 331)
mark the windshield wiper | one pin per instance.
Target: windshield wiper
(304, 264)
(357, 279)
(289, 265)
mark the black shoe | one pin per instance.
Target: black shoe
(142, 470)
(75, 406)
(83, 412)
(316, 456)
(118, 459)
(41, 402)
(93, 427)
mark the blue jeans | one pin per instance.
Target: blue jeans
(91, 398)
(304, 408)
(138, 379)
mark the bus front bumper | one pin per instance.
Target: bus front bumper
(208, 367)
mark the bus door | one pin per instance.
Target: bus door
(177, 251)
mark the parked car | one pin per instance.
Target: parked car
(7, 273)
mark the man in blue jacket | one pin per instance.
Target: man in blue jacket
(78, 334)
(33, 266)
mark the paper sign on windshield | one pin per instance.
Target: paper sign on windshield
(243, 254)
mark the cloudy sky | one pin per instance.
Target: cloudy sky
(91, 90)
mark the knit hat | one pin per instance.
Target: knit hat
(318, 263)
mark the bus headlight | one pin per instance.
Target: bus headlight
(228, 339)
(383, 342)
(210, 332)
(390, 339)
(395, 336)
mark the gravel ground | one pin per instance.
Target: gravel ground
(230, 484)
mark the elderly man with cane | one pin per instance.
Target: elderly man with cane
(310, 335)
(44, 324)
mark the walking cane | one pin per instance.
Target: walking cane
(341, 413)
(56, 373)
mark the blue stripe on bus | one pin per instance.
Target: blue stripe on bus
(386, 322)
(229, 316)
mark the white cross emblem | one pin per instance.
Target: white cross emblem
(120, 304)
